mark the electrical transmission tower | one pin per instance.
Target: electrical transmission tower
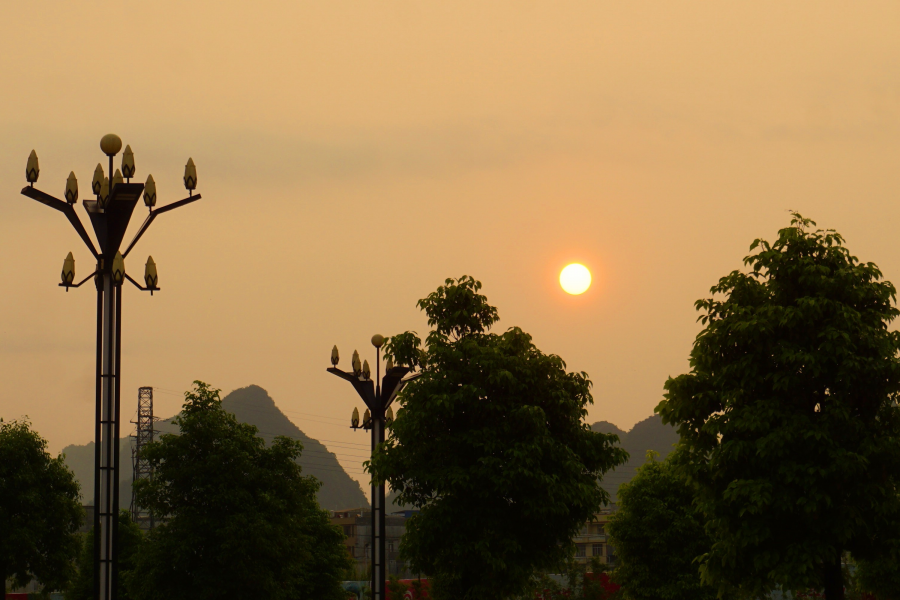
(142, 436)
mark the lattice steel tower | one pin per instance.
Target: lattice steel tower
(142, 436)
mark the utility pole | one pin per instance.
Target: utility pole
(142, 470)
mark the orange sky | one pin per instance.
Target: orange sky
(352, 155)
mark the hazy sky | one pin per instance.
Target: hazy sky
(354, 154)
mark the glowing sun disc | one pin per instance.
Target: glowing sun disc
(575, 279)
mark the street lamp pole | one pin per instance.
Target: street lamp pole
(109, 214)
(378, 396)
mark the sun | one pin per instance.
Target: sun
(575, 279)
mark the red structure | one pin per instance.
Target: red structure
(604, 580)
(607, 589)
(410, 593)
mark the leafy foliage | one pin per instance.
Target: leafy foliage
(492, 446)
(398, 590)
(880, 575)
(405, 349)
(130, 538)
(658, 534)
(40, 510)
(788, 420)
(239, 519)
(582, 582)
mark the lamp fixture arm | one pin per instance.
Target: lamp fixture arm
(66, 209)
(399, 388)
(139, 286)
(80, 283)
(365, 389)
(153, 214)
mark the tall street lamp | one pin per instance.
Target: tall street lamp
(378, 396)
(109, 213)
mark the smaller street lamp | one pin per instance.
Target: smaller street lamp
(32, 169)
(68, 271)
(97, 181)
(377, 396)
(150, 193)
(71, 188)
(190, 176)
(128, 163)
(151, 279)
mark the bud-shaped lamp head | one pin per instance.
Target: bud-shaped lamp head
(111, 144)
(150, 192)
(357, 366)
(377, 340)
(128, 163)
(72, 188)
(389, 416)
(190, 175)
(32, 169)
(118, 269)
(335, 357)
(389, 365)
(150, 276)
(97, 181)
(366, 372)
(117, 179)
(354, 420)
(367, 419)
(68, 270)
(103, 196)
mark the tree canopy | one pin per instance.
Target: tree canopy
(40, 511)
(789, 428)
(238, 519)
(129, 544)
(880, 575)
(491, 445)
(658, 534)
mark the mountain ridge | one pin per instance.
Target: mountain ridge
(254, 406)
(649, 434)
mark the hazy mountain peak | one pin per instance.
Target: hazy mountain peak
(649, 434)
(252, 405)
(250, 395)
(607, 427)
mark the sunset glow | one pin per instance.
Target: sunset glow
(575, 279)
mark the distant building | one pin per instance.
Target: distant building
(357, 526)
(593, 541)
(88, 522)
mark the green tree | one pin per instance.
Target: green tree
(40, 511)
(582, 582)
(880, 575)
(130, 538)
(238, 519)
(788, 421)
(396, 588)
(658, 533)
(492, 447)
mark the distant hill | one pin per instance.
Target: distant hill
(649, 434)
(607, 427)
(249, 405)
(81, 460)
